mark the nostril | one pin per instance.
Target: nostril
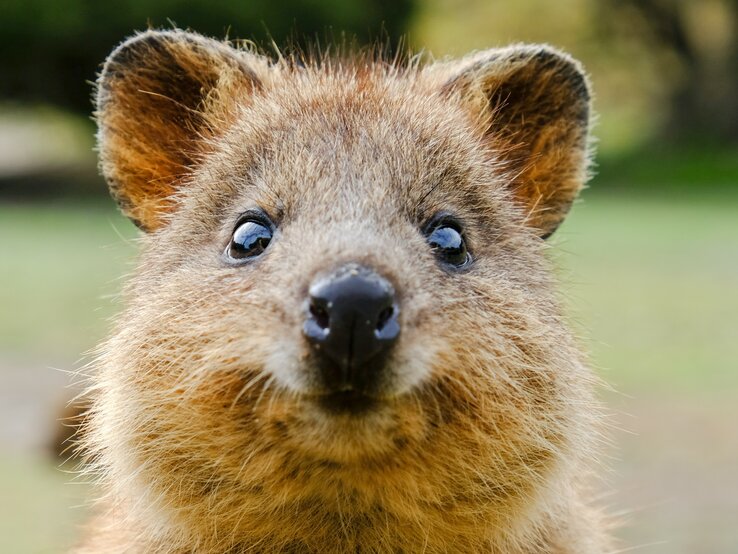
(320, 314)
(351, 323)
(384, 317)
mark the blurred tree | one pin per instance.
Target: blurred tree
(628, 92)
(697, 45)
(49, 50)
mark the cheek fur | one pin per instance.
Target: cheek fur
(285, 361)
(413, 359)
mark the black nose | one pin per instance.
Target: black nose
(351, 324)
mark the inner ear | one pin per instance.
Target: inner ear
(159, 96)
(533, 103)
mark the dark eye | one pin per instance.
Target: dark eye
(251, 237)
(447, 241)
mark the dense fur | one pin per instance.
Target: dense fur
(205, 433)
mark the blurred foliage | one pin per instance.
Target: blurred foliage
(664, 71)
(695, 45)
(50, 50)
(704, 169)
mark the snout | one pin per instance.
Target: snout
(351, 325)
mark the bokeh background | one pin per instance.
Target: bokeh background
(648, 259)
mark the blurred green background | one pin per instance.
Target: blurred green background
(648, 259)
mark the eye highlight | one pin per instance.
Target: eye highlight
(446, 239)
(251, 237)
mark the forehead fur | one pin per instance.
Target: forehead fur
(352, 136)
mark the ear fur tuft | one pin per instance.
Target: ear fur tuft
(533, 105)
(158, 95)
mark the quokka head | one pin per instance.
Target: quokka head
(342, 269)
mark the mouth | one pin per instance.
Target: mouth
(347, 402)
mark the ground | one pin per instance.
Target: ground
(651, 285)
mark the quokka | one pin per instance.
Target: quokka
(342, 335)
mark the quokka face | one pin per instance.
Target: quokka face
(342, 308)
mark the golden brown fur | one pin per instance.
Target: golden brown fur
(205, 434)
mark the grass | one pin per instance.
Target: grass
(650, 281)
(41, 507)
(61, 265)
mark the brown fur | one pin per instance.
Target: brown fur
(205, 434)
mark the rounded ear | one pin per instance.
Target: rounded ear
(533, 104)
(159, 95)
